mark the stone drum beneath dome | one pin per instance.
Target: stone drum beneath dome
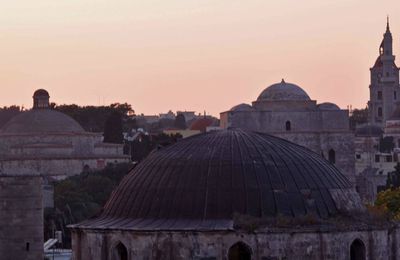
(286, 110)
(234, 194)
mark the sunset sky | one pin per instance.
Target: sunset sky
(189, 54)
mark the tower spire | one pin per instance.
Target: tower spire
(387, 23)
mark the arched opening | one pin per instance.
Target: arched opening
(357, 250)
(288, 126)
(120, 252)
(239, 251)
(332, 156)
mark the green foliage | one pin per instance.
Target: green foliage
(113, 129)
(82, 196)
(358, 117)
(93, 118)
(389, 201)
(386, 144)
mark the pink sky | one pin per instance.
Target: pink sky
(189, 55)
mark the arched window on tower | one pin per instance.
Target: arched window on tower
(288, 126)
(380, 112)
(239, 251)
(332, 156)
(120, 252)
(357, 250)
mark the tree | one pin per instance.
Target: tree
(113, 132)
(358, 117)
(386, 144)
(180, 121)
(80, 197)
(393, 178)
(93, 118)
(389, 201)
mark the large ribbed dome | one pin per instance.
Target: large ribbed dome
(210, 177)
(283, 91)
(41, 121)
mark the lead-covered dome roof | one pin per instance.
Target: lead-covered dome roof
(41, 121)
(283, 91)
(210, 177)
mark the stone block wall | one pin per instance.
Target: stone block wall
(21, 218)
(378, 244)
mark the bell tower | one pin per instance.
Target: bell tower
(384, 87)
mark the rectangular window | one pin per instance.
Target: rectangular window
(389, 158)
(380, 112)
(395, 95)
(376, 157)
(379, 95)
(358, 156)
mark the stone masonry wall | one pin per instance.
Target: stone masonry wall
(21, 218)
(379, 244)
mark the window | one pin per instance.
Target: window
(389, 158)
(357, 250)
(379, 95)
(377, 158)
(120, 252)
(332, 156)
(288, 126)
(387, 74)
(27, 246)
(239, 251)
(379, 111)
(395, 95)
(358, 156)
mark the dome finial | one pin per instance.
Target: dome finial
(283, 81)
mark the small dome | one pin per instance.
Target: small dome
(369, 131)
(283, 91)
(41, 92)
(214, 175)
(328, 106)
(41, 121)
(242, 107)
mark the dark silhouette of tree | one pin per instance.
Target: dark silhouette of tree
(93, 118)
(386, 144)
(358, 117)
(393, 178)
(113, 129)
(180, 121)
(80, 197)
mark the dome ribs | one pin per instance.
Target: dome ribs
(202, 181)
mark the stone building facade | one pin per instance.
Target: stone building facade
(34, 146)
(235, 195)
(384, 87)
(285, 110)
(52, 143)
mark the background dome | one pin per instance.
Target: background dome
(41, 121)
(328, 106)
(242, 107)
(283, 91)
(214, 175)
